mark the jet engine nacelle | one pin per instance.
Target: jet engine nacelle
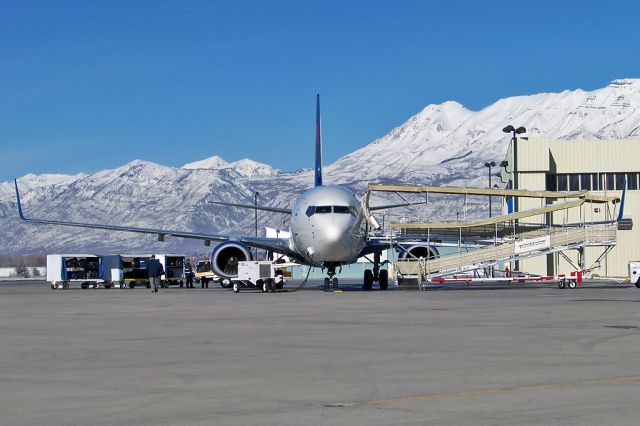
(225, 258)
(417, 250)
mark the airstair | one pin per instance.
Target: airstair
(503, 239)
(560, 240)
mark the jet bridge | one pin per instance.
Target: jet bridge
(485, 244)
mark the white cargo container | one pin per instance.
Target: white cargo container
(89, 270)
(634, 272)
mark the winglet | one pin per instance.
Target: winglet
(15, 181)
(318, 171)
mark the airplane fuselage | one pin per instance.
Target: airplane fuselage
(328, 226)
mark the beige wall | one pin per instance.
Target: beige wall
(539, 156)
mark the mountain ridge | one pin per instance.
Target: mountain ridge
(442, 144)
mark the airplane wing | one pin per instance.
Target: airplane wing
(253, 207)
(280, 245)
(288, 211)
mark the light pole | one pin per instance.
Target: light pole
(514, 132)
(489, 166)
(514, 167)
(255, 202)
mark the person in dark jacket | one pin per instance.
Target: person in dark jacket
(188, 273)
(154, 269)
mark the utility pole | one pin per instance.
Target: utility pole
(255, 202)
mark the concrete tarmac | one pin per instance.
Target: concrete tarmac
(525, 356)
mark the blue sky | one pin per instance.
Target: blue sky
(88, 85)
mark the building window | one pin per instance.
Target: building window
(574, 182)
(620, 178)
(595, 181)
(550, 182)
(610, 181)
(562, 182)
(585, 182)
(632, 181)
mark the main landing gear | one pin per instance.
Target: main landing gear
(381, 276)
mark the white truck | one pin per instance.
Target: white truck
(87, 270)
(263, 275)
(634, 272)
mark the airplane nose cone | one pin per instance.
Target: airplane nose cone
(333, 234)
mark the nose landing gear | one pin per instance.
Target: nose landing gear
(381, 276)
(331, 282)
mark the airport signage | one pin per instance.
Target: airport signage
(533, 244)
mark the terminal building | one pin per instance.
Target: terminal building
(603, 167)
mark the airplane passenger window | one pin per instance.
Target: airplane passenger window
(323, 209)
(341, 209)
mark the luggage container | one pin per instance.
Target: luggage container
(66, 269)
(134, 270)
(173, 265)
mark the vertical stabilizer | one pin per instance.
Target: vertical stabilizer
(318, 172)
(15, 181)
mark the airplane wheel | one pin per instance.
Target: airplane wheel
(368, 279)
(334, 283)
(326, 284)
(561, 284)
(572, 284)
(236, 287)
(384, 279)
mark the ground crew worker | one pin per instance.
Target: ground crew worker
(154, 269)
(188, 273)
(204, 281)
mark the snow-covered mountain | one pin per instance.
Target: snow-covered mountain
(246, 167)
(443, 144)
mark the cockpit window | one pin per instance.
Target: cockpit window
(310, 211)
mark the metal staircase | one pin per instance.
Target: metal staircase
(505, 251)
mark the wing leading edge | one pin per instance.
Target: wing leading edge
(279, 245)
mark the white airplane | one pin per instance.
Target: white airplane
(327, 230)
